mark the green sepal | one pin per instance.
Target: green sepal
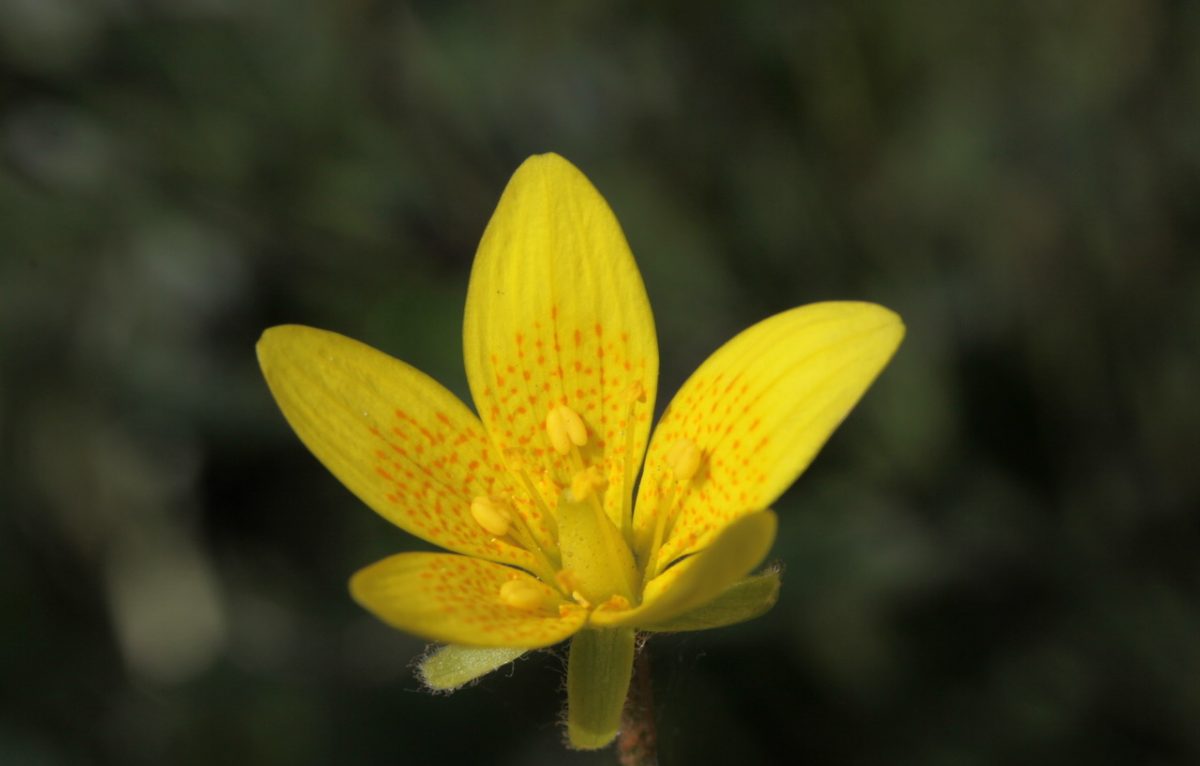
(451, 666)
(598, 673)
(744, 600)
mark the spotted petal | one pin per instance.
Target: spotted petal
(758, 410)
(457, 599)
(557, 315)
(403, 444)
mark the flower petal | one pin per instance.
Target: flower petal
(742, 601)
(598, 674)
(407, 447)
(557, 315)
(452, 666)
(701, 578)
(457, 599)
(757, 411)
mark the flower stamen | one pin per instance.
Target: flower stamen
(517, 465)
(522, 594)
(493, 518)
(565, 429)
(682, 461)
(635, 394)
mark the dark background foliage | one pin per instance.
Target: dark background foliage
(995, 559)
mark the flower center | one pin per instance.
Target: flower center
(593, 564)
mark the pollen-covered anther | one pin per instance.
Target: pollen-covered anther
(493, 518)
(683, 458)
(565, 428)
(522, 594)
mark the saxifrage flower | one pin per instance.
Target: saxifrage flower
(533, 496)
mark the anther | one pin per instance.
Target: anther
(683, 458)
(565, 428)
(556, 429)
(522, 594)
(574, 424)
(495, 519)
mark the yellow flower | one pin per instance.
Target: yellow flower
(534, 497)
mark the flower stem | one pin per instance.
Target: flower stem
(637, 744)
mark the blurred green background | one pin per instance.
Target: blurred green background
(995, 559)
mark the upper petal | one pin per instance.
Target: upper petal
(444, 597)
(557, 315)
(757, 411)
(403, 444)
